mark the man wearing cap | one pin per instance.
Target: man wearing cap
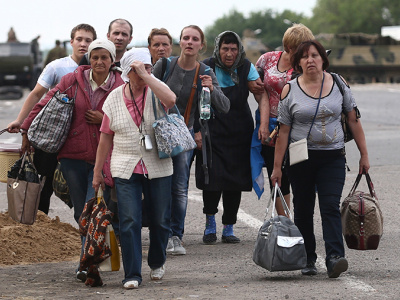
(90, 86)
(81, 37)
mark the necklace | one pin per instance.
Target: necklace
(308, 93)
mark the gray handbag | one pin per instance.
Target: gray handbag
(279, 245)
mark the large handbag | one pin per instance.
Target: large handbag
(94, 224)
(279, 245)
(172, 135)
(362, 219)
(23, 190)
(50, 128)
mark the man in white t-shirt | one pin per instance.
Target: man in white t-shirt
(81, 37)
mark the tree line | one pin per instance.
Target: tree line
(328, 16)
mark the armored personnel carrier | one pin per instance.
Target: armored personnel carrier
(363, 58)
(20, 64)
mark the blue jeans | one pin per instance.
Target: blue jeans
(180, 186)
(79, 176)
(325, 172)
(158, 207)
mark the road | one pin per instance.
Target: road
(224, 271)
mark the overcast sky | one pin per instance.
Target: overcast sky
(52, 19)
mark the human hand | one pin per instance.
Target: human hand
(93, 117)
(263, 133)
(198, 139)
(26, 144)
(14, 126)
(139, 68)
(256, 86)
(98, 181)
(206, 80)
(276, 176)
(363, 164)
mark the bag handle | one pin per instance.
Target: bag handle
(274, 191)
(4, 130)
(162, 108)
(24, 158)
(369, 183)
(186, 116)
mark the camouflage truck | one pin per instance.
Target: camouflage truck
(20, 64)
(363, 58)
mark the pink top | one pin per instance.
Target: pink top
(274, 80)
(105, 125)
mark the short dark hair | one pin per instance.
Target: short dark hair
(304, 47)
(83, 26)
(121, 21)
(229, 38)
(158, 31)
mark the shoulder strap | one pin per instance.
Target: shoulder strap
(163, 66)
(186, 116)
(336, 79)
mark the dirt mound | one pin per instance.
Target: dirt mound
(47, 240)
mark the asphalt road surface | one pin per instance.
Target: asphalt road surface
(224, 271)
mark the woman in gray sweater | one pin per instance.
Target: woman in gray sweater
(179, 75)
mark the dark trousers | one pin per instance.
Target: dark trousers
(268, 153)
(230, 201)
(323, 172)
(45, 164)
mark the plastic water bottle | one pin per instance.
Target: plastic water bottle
(205, 104)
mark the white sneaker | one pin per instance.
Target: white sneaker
(178, 248)
(157, 274)
(170, 246)
(131, 284)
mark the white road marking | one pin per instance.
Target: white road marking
(250, 221)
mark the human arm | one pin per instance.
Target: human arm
(34, 96)
(359, 138)
(103, 148)
(263, 106)
(161, 90)
(280, 150)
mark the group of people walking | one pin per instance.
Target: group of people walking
(114, 113)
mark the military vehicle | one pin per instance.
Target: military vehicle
(363, 58)
(20, 64)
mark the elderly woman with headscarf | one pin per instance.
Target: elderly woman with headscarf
(135, 165)
(229, 171)
(90, 86)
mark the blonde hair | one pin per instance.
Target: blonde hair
(295, 35)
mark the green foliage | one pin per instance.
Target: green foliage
(367, 16)
(329, 16)
(271, 25)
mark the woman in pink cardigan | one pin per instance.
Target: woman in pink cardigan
(92, 84)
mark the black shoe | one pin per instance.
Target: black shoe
(230, 239)
(210, 238)
(310, 269)
(336, 265)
